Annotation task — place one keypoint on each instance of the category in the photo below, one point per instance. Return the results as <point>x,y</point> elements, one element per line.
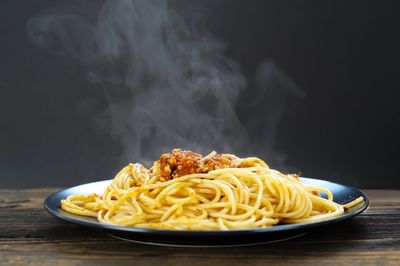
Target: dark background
<point>343,54</point>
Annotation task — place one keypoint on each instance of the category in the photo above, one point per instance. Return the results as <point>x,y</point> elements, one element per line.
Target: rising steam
<point>167,81</point>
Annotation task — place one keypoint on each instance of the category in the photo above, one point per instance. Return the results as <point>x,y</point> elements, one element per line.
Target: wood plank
<point>30,236</point>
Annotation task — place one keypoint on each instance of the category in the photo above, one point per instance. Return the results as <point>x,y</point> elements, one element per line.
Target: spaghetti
<point>186,191</point>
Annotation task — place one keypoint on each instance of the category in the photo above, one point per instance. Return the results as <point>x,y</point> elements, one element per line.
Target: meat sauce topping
<point>180,162</point>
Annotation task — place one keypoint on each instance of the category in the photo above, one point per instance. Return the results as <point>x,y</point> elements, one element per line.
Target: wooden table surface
<point>30,236</point>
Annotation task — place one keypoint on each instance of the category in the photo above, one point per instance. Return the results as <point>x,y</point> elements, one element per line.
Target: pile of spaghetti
<point>184,190</point>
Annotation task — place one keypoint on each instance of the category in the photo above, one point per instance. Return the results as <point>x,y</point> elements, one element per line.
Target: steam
<point>166,79</point>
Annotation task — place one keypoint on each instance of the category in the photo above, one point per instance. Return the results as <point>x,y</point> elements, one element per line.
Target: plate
<point>204,238</point>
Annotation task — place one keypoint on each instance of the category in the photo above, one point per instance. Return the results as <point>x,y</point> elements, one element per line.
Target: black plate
<point>342,194</point>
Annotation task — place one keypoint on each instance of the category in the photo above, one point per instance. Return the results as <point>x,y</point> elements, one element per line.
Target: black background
<point>343,54</point>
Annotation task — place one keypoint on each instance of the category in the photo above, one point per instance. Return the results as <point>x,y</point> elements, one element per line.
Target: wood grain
<point>30,236</point>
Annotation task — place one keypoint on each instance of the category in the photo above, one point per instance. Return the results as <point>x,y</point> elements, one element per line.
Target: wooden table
<point>29,235</point>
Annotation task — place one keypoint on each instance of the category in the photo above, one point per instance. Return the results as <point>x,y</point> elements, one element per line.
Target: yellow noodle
<point>231,198</point>
<point>353,203</point>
